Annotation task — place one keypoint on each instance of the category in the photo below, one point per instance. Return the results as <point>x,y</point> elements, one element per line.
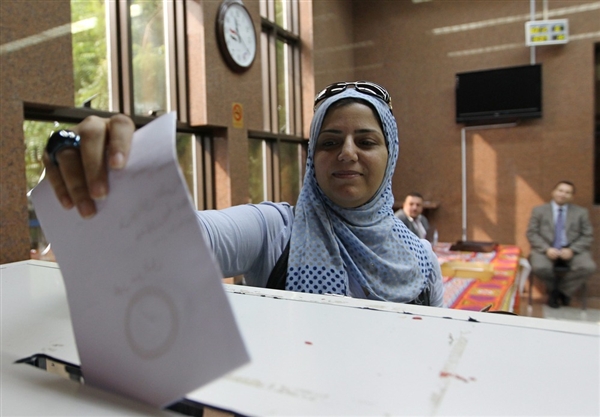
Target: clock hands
<point>241,40</point>
<point>234,35</point>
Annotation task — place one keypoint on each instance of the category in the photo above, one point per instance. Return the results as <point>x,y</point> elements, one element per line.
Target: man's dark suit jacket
<point>411,226</point>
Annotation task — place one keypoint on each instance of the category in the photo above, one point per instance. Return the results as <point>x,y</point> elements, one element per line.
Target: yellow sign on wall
<point>237,113</point>
<point>546,32</point>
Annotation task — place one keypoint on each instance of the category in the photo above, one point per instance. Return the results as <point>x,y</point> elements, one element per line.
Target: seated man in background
<point>561,234</point>
<point>410,214</point>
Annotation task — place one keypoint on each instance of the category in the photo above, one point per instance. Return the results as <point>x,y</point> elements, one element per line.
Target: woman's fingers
<point>120,128</point>
<point>92,150</point>
<point>60,189</point>
<point>82,174</point>
<point>71,168</point>
<point>68,181</point>
<point>102,139</point>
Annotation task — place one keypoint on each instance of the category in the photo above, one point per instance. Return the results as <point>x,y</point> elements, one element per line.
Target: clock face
<point>237,37</point>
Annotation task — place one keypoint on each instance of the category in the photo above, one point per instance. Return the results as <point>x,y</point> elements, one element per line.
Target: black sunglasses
<point>364,87</point>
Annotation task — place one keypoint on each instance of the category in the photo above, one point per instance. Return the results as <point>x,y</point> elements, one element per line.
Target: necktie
<point>559,229</point>
<point>422,232</point>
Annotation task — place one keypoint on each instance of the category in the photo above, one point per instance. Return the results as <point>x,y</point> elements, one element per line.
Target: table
<point>325,355</point>
<point>501,291</point>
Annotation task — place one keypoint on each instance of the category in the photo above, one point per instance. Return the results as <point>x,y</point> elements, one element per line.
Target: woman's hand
<point>81,176</point>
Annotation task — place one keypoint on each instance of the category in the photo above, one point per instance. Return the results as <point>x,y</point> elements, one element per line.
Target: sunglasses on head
<point>364,87</point>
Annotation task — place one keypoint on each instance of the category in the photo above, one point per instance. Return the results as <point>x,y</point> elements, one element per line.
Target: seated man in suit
<point>410,214</point>
<point>560,233</point>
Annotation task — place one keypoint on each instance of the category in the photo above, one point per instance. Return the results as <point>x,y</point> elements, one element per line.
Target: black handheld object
<point>59,140</point>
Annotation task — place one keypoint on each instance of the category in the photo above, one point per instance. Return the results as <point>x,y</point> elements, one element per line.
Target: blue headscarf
<point>364,252</point>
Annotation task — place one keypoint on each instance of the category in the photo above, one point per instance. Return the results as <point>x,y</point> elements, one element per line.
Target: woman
<point>342,236</point>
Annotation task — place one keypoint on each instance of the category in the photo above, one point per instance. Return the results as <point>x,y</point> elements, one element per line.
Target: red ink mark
<point>444,374</point>
<point>417,318</point>
<point>308,343</point>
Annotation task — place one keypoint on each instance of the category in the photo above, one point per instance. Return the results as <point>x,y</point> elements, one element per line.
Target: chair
<point>560,269</point>
<point>523,273</point>
<point>583,296</point>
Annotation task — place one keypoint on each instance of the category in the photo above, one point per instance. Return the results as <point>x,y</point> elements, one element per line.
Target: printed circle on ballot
<point>151,323</point>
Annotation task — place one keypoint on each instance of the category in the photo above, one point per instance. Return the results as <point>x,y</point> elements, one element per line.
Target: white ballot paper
<point>149,312</point>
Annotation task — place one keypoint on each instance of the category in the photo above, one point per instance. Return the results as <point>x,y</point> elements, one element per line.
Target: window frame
<point>274,33</point>
<point>271,34</point>
<point>121,74</point>
<point>204,188</point>
<point>121,94</point>
<point>272,177</point>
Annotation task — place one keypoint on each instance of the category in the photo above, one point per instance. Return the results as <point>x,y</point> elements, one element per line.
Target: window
<point>149,57</point>
<point>277,157</point>
<point>193,147</point>
<point>259,157</point>
<point>597,124</point>
<point>290,169</point>
<point>280,44</point>
<point>194,153</point>
<point>90,54</point>
<point>36,135</point>
<point>128,57</point>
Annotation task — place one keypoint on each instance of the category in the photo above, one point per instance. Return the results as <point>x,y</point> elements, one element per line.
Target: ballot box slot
<point>54,366</point>
<point>73,372</point>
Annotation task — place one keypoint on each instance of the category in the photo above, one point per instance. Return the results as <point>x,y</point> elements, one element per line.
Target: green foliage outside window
<point>185,155</point>
<point>149,56</point>
<point>289,171</point>
<point>90,61</point>
<point>256,180</point>
<point>36,135</point>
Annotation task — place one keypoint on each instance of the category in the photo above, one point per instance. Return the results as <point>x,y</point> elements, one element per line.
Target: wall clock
<point>236,35</point>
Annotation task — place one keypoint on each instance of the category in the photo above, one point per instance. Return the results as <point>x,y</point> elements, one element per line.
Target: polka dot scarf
<point>363,252</point>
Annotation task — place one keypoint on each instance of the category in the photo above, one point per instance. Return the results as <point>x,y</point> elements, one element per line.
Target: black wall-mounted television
<point>499,95</point>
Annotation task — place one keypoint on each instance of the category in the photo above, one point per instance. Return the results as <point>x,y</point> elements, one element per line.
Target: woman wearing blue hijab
<point>342,236</point>
<point>346,240</point>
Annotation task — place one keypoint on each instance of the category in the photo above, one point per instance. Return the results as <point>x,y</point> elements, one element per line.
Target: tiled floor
<point>574,312</point>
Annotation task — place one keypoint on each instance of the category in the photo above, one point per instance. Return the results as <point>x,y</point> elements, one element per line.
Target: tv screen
<point>499,95</point>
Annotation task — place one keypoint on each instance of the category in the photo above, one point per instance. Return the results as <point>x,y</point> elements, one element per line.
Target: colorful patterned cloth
<point>473,294</point>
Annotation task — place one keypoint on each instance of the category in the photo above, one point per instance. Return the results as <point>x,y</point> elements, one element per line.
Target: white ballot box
<point>325,355</point>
